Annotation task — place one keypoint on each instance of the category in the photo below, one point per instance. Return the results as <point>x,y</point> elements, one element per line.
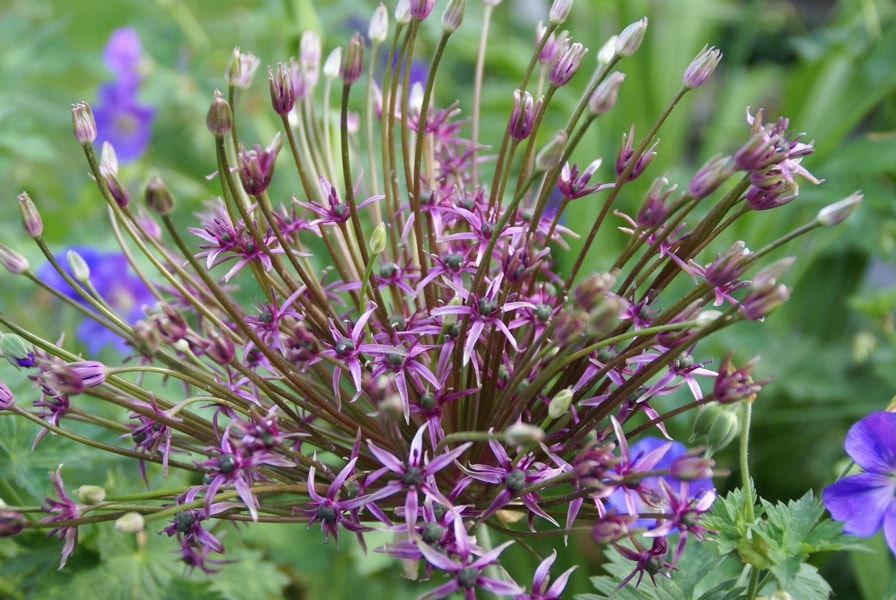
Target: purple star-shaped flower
<point>865,502</point>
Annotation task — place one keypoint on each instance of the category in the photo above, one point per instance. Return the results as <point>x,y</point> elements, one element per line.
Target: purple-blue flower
<point>646,496</point>
<point>120,119</point>
<point>865,502</point>
<point>113,279</point>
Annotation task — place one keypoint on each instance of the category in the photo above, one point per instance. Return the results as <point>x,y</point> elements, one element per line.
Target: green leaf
<point>727,518</point>
<point>792,531</point>
<point>250,577</point>
<point>808,584</point>
<point>696,570</point>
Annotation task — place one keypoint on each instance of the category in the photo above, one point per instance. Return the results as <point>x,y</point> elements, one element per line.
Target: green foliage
<point>776,542</point>
<point>698,576</point>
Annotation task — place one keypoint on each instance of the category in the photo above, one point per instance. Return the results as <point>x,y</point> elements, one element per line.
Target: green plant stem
<point>747,484</point>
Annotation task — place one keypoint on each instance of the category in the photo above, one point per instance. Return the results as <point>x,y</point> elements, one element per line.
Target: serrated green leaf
<point>695,570</point>
<point>791,532</point>
<point>809,585</point>
<point>250,577</point>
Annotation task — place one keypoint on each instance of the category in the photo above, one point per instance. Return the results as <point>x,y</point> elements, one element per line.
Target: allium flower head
<point>389,339</point>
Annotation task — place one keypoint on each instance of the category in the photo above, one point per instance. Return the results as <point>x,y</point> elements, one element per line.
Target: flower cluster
<point>415,361</point>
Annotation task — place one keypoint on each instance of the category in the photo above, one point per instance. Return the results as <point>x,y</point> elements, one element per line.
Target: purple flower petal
<point>861,501</point>
<point>872,442</point>
<point>123,52</point>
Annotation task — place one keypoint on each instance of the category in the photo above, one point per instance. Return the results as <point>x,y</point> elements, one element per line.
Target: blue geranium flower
<point>865,502</point>
<point>114,280</point>
<point>120,119</point>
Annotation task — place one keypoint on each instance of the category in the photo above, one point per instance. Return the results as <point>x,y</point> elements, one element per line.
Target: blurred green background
<point>828,66</point>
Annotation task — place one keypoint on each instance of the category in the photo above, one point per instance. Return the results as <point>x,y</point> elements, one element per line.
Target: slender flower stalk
<point>428,344</point>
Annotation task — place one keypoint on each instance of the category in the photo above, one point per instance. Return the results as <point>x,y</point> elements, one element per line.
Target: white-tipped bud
<point>768,277</point>
<point>559,11</point>
<point>415,98</point>
<point>453,15</point>
<point>559,405</point>
<point>630,38</point>
<point>707,318</point>
<point>377,242</point>
<point>79,267</point>
<point>523,433</point>
<point>379,25</point>
<point>403,12</point>
<point>835,213</point>
<point>90,494</point>
<point>131,522</point>
<point>607,52</point>
<point>551,155</point>
<point>333,62</point>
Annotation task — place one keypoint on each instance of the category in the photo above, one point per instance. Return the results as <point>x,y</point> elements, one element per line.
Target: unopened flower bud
<point>566,64</point>
<point>353,61</point>
<point>770,274</point>
<point>158,198</point>
<point>559,11</point>
<point>219,118</point>
<point>379,25</point>
<point>83,123</point>
<point>607,52</point>
<point>147,338</point>
<point>559,405</point>
<point>420,9</point>
<point>760,303</point>
<point>131,522</point>
<point>11,523</point>
<point>377,243</point>
<point>710,176</point>
<point>31,221</point>
<point>6,397</point>
<point>109,175</point>
<point>612,527</point>
<point>256,166</point>
<point>14,262</point>
<point>523,433</point>
<point>630,38</point>
<point>453,15</point>
<point>715,426</point>
<point>592,289</point>
<point>333,63</point>
<point>604,316</point>
<point>522,117</point>
<point>283,92</point>
<point>219,347</point>
<point>13,347</point>
<point>707,318</point>
<point>736,384</point>
<point>241,68</point>
<point>604,96</point>
<point>550,156</point>
<point>79,268</point>
<point>835,213</point>
<point>403,12</point>
<point>90,494</point>
<point>702,67</point>
<point>688,467</point>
